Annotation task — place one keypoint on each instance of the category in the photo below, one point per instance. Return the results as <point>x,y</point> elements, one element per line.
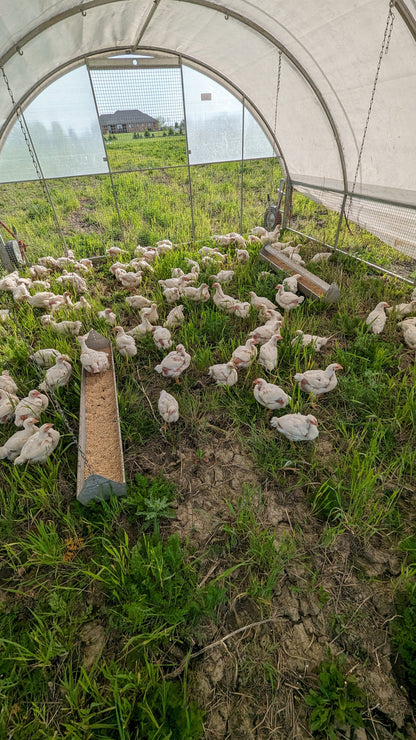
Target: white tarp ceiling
<point>330,54</point>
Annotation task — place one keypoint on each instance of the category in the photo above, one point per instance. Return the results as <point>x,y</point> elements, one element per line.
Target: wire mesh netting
<point>154,205</point>
<point>135,107</point>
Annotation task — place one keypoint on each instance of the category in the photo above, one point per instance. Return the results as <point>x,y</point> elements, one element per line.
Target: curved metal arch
<point>298,66</point>
<point>37,30</point>
<point>83,59</point>
<point>90,4</point>
<point>210,5</point>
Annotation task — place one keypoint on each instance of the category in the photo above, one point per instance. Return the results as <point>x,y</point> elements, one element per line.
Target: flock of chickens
<point>35,444</point>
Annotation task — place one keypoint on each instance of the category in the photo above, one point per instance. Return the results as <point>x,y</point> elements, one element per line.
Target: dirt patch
<point>207,479</point>
<point>92,636</point>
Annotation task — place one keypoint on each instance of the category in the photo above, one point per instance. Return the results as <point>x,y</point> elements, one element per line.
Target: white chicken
<point>8,402</point>
<point>224,240</point>
<point>296,427</point>
<point>138,301</point>
<point>258,231</point>
<point>141,329</point>
<point>117,266</point>
<point>108,315</point>
<point>174,318</point>
<point>270,236</point>
<point>269,395</point>
<point>82,304</point>
<point>38,272</point>
<point>57,375</point>
<point>271,314</point>
<point>60,301</point>
<point>115,251</point>
<point>20,293</point>
<point>45,357</point>
<point>377,318</point>
<point>262,334</point>
<point>78,283</point>
<point>85,262</point>
<point>242,255</point>
<point>221,299</point>
<point>260,302</point>
<point>139,265</point>
<point>39,446</point>
<point>48,261</point>
<point>200,294</point>
<point>62,327</point>
<point>7,383</point>
<point>4,315</point>
<point>291,283</point>
<point>40,300</point>
<point>224,374</point>
<point>176,272</point>
<point>11,449</point>
<point>172,295</point>
<point>125,343</point>
<point>402,309</point>
<point>240,309</point>
<point>43,284</point>
<point>32,405</point>
<point>168,407</point>
<point>290,249</point>
<point>223,276</point>
<point>174,363</point>
<point>244,355</point>
<point>268,352</point>
<point>9,281</point>
<point>318,381</point>
<point>164,247</point>
<point>162,337</point>
<point>150,313</point>
<point>208,251</point>
<point>174,282</point>
<point>409,333</point>
<point>193,264</point>
<point>286,299</point>
<point>306,340</point>
<point>92,360</point>
<point>252,239</point>
<point>129,280</point>
<point>321,257</point>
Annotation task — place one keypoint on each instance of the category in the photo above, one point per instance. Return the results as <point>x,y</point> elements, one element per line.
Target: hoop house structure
<point>333,87</point>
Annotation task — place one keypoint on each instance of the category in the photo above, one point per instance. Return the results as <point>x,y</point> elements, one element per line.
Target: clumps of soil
<point>253,668</point>
<point>206,478</point>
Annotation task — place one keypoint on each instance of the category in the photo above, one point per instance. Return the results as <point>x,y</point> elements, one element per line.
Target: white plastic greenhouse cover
<point>330,58</point>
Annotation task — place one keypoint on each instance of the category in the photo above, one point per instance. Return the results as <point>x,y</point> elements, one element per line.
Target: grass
<point>136,617</point>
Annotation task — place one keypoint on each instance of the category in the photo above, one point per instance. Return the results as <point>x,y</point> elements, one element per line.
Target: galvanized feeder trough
<point>100,452</point>
<point>309,284</point>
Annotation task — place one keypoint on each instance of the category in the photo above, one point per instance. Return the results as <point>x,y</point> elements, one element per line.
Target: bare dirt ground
<point>257,664</point>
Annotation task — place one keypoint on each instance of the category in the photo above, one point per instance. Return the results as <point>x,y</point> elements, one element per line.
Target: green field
<point>246,587</point>
<point>153,193</point>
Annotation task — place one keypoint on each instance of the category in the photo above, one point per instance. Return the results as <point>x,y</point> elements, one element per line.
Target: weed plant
<point>120,564</point>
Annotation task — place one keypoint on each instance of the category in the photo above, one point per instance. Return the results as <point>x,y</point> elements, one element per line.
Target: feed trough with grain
<point>100,453</point>
<point>309,284</point>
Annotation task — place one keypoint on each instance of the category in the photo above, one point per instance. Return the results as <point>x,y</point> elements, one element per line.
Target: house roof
<point>125,116</point>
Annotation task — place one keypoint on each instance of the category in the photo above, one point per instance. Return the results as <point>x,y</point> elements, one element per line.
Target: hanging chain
<point>32,153</point>
<point>54,399</point>
<point>383,51</point>
<point>23,128</point>
<point>279,71</point>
